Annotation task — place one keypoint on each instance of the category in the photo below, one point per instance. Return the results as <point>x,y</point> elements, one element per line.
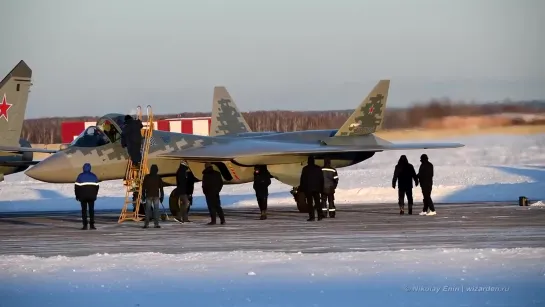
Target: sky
<point>102,56</point>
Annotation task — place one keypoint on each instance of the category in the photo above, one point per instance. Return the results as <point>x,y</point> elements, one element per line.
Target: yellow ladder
<point>134,175</point>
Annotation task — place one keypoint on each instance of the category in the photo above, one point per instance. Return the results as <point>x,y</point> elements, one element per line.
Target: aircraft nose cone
<point>54,169</point>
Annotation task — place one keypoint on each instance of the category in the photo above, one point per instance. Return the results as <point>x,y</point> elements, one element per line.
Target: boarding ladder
<point>134,175</point>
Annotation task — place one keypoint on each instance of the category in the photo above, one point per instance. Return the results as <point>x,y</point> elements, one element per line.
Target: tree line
<point>48,130</point>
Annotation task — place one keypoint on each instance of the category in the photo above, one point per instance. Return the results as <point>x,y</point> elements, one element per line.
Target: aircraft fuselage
<point>109,161</point>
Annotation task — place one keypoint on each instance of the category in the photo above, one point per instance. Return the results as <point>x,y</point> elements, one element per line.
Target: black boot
<point>263,215</point>
<point>92,226</point>
<point>84,227</point>
<point>212,223</point>
<point>410,209</point>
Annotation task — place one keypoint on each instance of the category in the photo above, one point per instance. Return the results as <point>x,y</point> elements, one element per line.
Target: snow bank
<point>453,277</point>
<point>538,204</point>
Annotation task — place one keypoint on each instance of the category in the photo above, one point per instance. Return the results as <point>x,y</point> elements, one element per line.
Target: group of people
<point>317,183</point>
<point>86,190</point>
<point>212,183</point>
<point>404,174</point>
<point>153,193</point>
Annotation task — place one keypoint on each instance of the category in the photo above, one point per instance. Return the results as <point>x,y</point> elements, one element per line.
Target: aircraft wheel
<point>300,200</point>
<point>173,202</point>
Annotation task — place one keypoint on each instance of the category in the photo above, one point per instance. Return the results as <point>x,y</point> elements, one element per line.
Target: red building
<point>195,125</point>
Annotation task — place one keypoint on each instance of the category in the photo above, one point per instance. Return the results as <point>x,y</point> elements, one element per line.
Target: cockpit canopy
<point>107,130</point>
<point>91,137</point>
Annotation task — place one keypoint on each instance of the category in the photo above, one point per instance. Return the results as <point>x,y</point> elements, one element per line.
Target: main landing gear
<point>173,202</point>
<point>300,200</point>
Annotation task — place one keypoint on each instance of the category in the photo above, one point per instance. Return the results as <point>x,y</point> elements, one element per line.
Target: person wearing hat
<point>311,183</point>
<point>331,180</point>
<point>262,181</point>
<point>181,187</point>
<point>109,131</point>
<point>131,138</point>
<point>404,174</point>
<point>212,183</point>
<point>191,179</point>
<point>153,194</point>
<point>425,177</point>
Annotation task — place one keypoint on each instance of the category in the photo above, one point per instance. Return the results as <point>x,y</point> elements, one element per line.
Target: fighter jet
<point>285,154</point>
<point>16,153</point>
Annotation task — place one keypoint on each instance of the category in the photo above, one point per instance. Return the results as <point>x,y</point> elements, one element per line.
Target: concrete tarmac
<point>356,228</point>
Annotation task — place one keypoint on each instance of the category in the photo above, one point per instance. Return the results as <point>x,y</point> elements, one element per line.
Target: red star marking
<point>4,107</point>
<point>371,109</point>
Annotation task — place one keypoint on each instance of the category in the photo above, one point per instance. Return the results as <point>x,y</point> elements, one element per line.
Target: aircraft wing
<point>25,149</point>
<point>249,152</point>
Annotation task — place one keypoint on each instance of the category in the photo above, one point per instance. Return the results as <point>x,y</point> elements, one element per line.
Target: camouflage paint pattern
<point>226,118</point>
<point>368,117</point>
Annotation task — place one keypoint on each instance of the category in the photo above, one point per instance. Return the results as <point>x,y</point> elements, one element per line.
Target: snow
<point>488,168</point>
<point>538,204</point>
<point>440,277</point>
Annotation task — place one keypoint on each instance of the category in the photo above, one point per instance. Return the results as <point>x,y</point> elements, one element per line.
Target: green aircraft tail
<point>226,118</point>
<point>369,115</point>
<point>14,89</point>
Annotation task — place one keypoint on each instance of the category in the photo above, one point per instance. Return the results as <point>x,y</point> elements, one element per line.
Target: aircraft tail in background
<point>14,89</point>
<point>226,118</point>
<point>369,115</point>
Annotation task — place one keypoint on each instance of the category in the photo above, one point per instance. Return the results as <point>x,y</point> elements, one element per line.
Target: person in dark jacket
<point>311,184</point>
<point>86,190</point>
<point>212,183</point>
<point>191,179</point>
<point>331,180</point>
<point>404,174</point>
<point>181,187</point>
<point>131,138</point>
<point>425,176</point>
<point>153,194</point>
<point>262,181</point>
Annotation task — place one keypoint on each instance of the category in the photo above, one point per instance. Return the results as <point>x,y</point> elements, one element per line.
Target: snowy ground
<point>489,168</point>
<point>487,277</point>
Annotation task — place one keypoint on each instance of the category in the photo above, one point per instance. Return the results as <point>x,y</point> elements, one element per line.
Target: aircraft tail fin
<point>14,89</point>
<point>226,118</point>
<point>369,115</point>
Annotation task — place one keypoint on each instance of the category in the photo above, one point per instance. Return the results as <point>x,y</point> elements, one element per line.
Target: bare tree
<point>48,130</point>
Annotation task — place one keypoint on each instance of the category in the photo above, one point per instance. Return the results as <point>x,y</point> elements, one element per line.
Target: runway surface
<point>356,228</point>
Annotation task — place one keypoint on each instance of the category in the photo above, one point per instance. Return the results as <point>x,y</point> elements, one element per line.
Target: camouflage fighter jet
<point>285,154</point>
<point>16,153</point>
